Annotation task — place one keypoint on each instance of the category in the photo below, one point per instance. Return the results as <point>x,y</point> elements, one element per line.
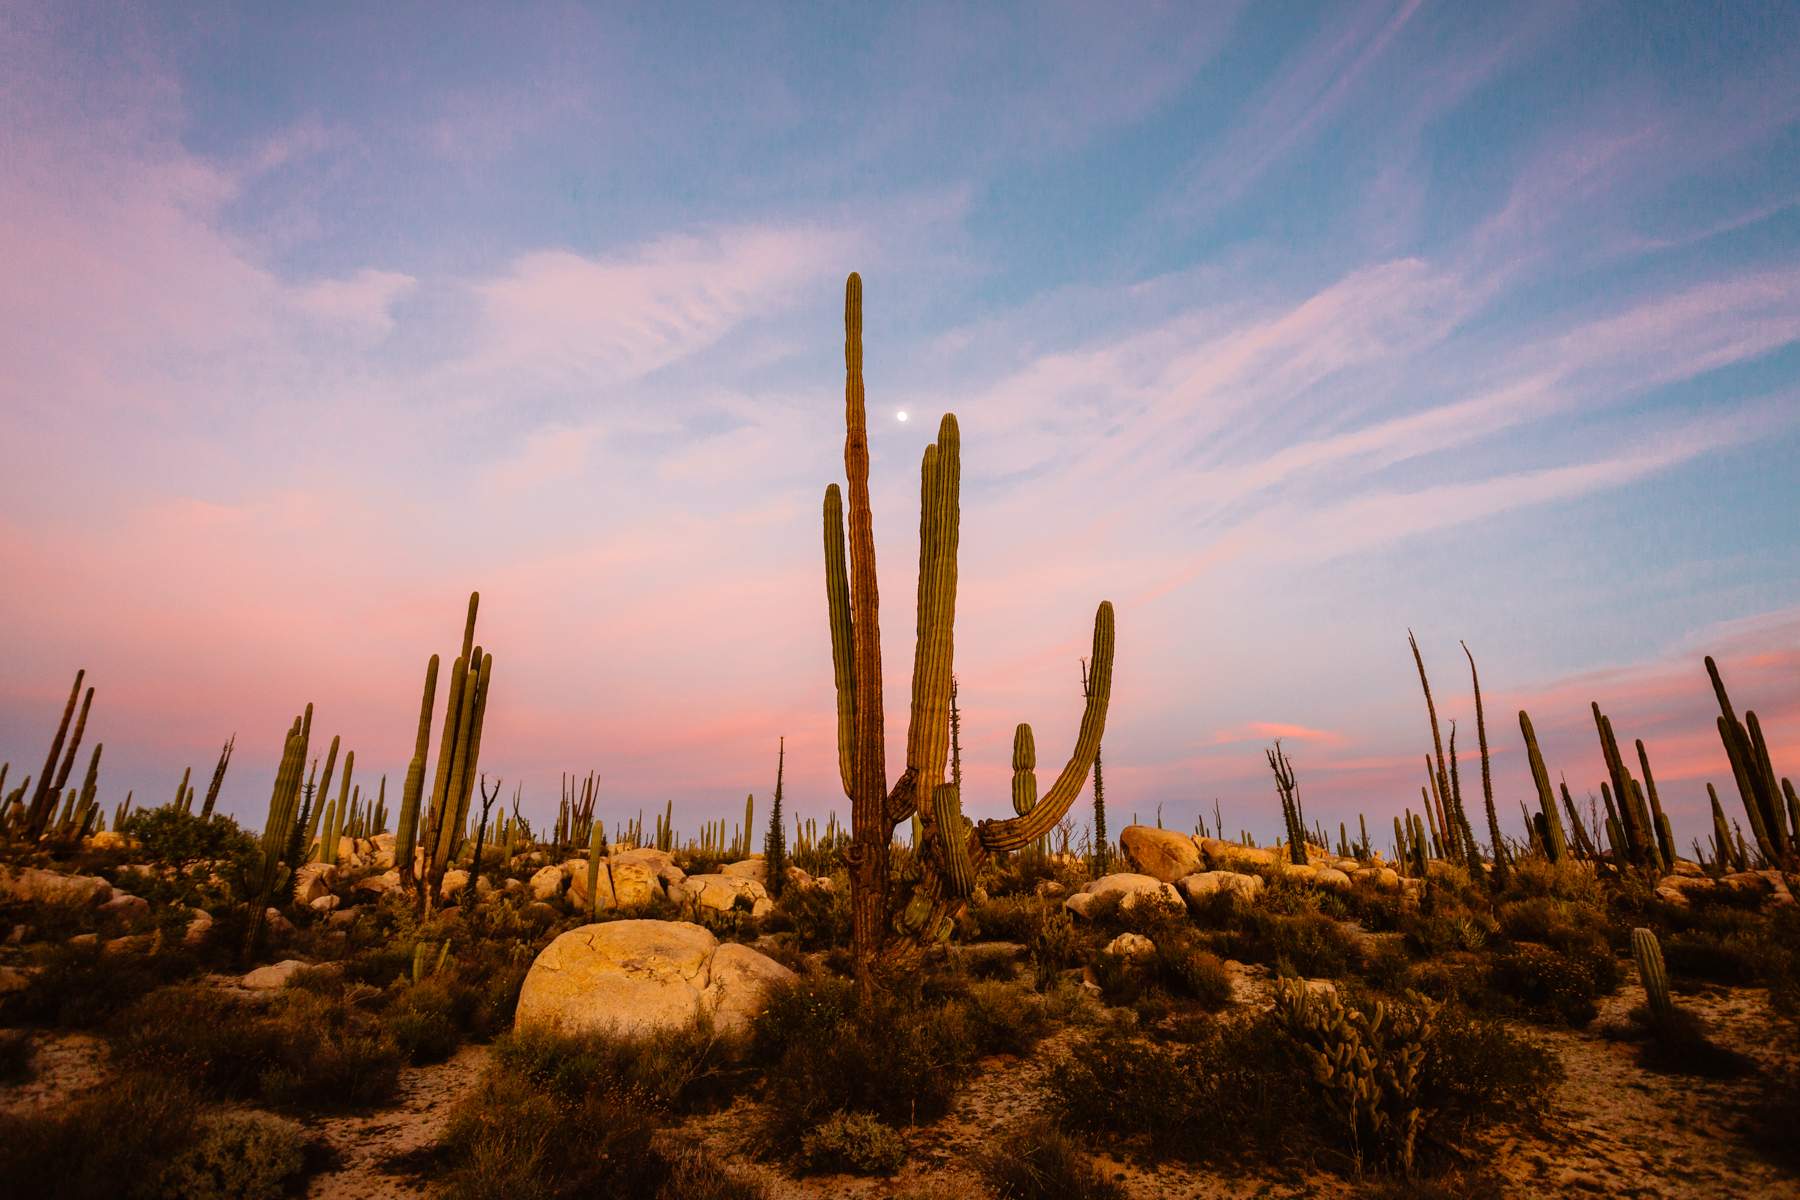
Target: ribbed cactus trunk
<point>1550,824</point>
<point>1487,778</point>
<point>951,851</point>
<point>218,778</point>
<point>49,785</point>
<point>1449,843</point>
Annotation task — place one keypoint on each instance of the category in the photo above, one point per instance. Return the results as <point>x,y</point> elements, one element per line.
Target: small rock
<point>199,925</point>
<point>547,883</point>
<point>326,903</point>
<point>1198,886</point>
<point>275,975</point>
<point>312,880</point>
<point>1132,946</point>
<point>126,905</point>
<point>277,925</point>
<point>455,880</point>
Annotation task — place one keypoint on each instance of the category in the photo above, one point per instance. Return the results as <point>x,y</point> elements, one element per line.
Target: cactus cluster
<point>1367,1066</point>
<point>1288,788</point>
<point>1772,806</point>
<point>432,832</point>
<point>279,828</point>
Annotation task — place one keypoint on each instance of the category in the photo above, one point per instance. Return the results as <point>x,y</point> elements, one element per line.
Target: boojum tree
<point>891,919</point>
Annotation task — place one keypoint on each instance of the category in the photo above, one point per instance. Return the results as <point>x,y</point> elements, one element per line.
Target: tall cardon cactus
<point>886,927</point>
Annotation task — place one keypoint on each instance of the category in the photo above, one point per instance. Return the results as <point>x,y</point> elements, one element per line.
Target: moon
<point>900,416</point>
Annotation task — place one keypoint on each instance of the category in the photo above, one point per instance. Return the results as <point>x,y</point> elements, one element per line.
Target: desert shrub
<point>1002,1019</point>
<point>1311,945</point>
<point>1545,984</point>
<point>1476,1074</point>
<point>1183,968</point>
<point>237,1156</point>
<point>1055,945</point>
<point>79,987</point>
<point>422,1021</point>
<point>1041,1163</point>
<point>1009,918</point>
<point>303,1051</point>
<point>692,1175</point>
<point>1446,931</point>
<point>820,918</point>
<point>574,1118</point>
<point>901,1060</point>
<point>1565,880</point>
<point>106,1145</point>
<point>171,838</point>
<point>673,1071</point>
<point>1176,1100</point>
<point>853,1142</point>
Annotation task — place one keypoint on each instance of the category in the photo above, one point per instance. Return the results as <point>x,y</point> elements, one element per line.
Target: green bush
<point>211,858</point>
<point>855,1143</point>
<point>1186,970</point>
<point>1055,945</point>
<point>237,1156</point>
<point>818,917</point>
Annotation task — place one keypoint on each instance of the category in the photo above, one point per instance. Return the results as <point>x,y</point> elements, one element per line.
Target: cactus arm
<point>1024,785</point>
<point>1019,832</point>
<point>406,832</point>
<point>843,666</point>
<point>953,842</point>
<point>928,733</point>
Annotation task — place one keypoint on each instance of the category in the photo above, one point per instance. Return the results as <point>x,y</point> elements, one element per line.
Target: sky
<point>1285,327</point>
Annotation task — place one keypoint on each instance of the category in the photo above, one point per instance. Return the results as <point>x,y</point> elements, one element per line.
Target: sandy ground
<point>363,1142</point>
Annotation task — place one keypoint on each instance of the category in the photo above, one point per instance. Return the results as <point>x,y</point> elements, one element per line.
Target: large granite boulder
<point>749,868</point>
<point>1161,853</point>
<point>1202,884</point>
<point>724,893</point>
<point>637,978</point>
<point>51,887</point>
<point>1229,856</point>
<point>636,882</point>
<point>1132,890</point>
